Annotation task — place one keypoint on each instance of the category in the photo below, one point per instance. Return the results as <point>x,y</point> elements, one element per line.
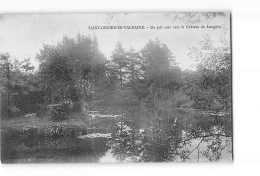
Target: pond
<point>131,134</point>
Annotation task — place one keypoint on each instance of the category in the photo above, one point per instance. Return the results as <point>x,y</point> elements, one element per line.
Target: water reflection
<point>203,138</point>
<point>131,136</point>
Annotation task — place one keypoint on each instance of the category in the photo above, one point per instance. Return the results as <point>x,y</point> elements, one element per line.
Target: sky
<point>23,35</point>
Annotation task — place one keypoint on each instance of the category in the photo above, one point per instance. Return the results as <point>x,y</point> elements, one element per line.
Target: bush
<point>61,110</point>
<point>39,109</point>
<point>77,106</point>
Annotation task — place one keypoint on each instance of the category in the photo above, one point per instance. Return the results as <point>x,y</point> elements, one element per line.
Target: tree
<point>17,85</point>
<point>78,65</point>
<point>87,62</point>
<point>214,67</point>
<point>119,64</point>
<point>161,74</point>
<point>133,67</point>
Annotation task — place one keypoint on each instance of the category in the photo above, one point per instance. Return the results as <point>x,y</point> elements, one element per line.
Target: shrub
<point>39,109</point>
<point>60,110</point>
<point>77,106</point>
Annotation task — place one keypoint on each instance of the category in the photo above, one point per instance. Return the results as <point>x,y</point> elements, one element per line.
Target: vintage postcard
<point>116,87</point>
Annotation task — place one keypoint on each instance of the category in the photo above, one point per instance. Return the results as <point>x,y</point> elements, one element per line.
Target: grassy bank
<point>75,124</point>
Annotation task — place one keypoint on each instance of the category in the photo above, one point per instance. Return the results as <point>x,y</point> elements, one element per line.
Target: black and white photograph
<point>116,87</point>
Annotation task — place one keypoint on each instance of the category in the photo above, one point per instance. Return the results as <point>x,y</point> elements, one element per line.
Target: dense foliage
<point>77,71</point>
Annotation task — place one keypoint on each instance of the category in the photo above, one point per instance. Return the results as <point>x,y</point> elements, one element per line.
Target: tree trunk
<point>52,96</point>
<point>121,81</point>
<point>132,75</point>
<point>8,92</point>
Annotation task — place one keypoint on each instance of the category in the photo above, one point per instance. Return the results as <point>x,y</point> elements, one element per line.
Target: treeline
<point>75,70</point>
